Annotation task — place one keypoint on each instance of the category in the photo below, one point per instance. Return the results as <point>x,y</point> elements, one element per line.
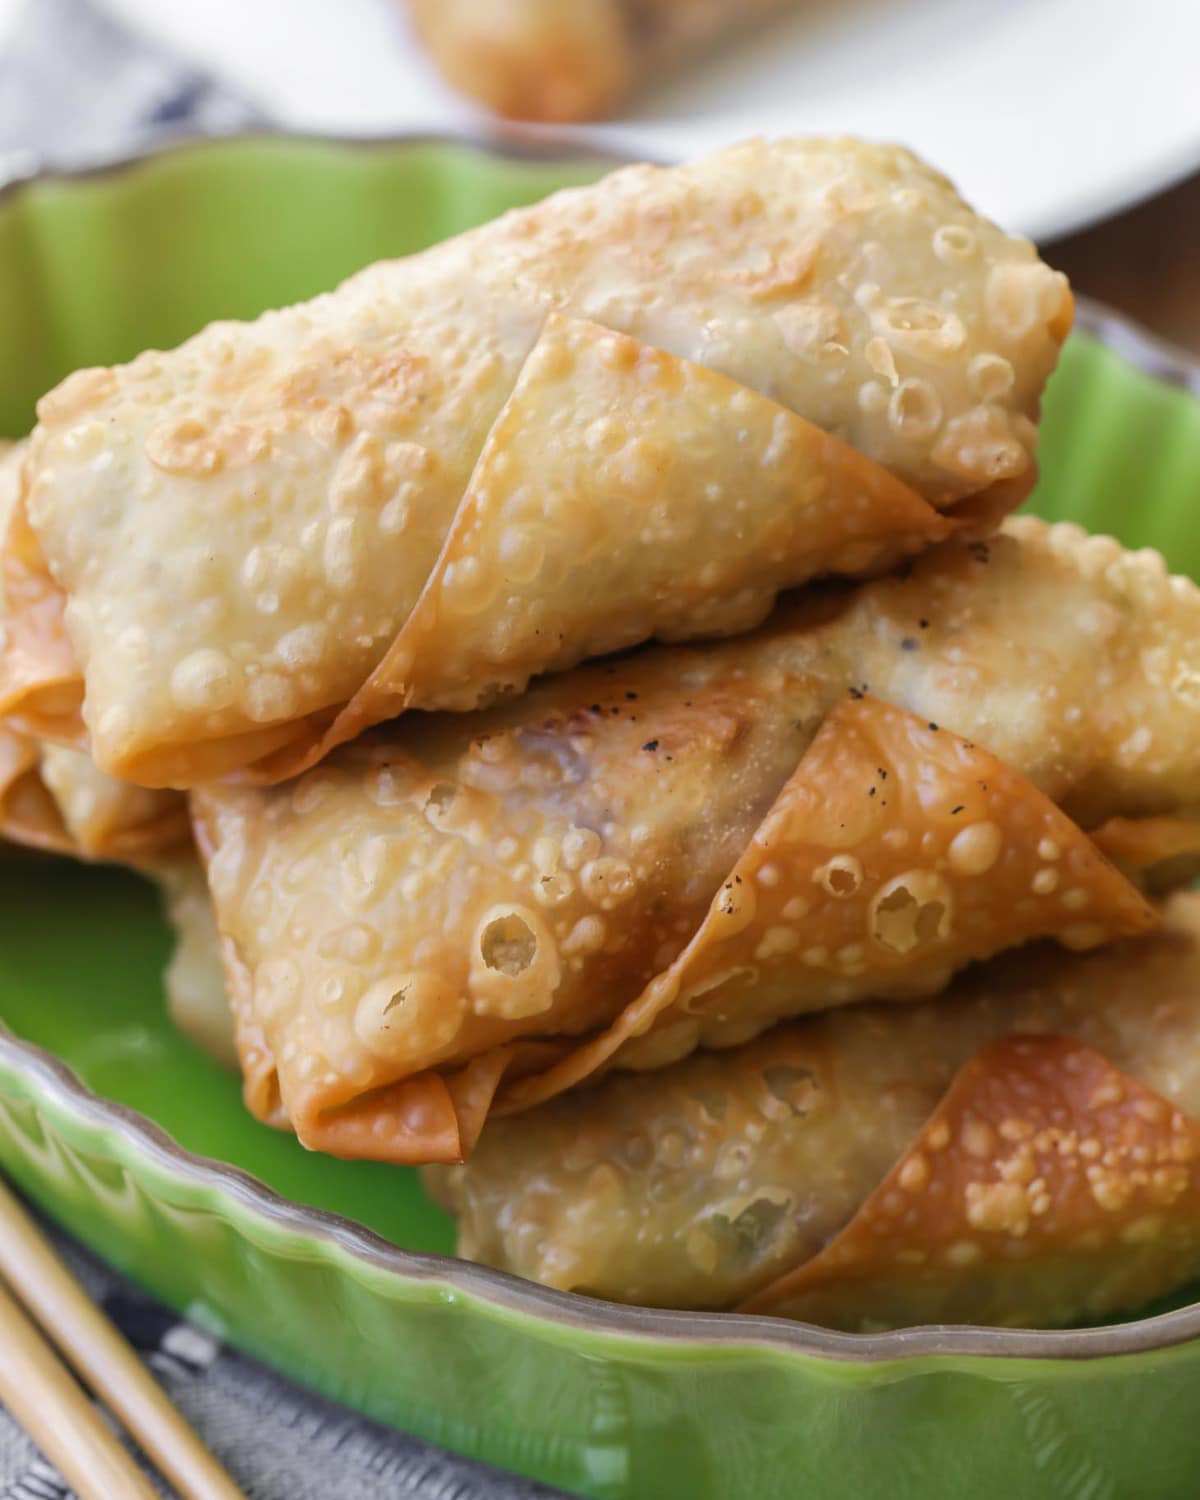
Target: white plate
<point>1048,113</point>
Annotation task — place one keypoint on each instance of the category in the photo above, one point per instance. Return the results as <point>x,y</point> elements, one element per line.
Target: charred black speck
<point>650,745</point>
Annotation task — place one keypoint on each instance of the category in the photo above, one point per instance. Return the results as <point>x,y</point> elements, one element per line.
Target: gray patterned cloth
<point>76,88</point>
<point>278,1442</point>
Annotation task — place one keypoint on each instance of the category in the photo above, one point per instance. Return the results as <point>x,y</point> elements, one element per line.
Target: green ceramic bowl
<point>337,1274</point>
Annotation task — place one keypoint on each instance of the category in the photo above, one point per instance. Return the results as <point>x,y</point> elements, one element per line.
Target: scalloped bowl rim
<point>678,1332</point>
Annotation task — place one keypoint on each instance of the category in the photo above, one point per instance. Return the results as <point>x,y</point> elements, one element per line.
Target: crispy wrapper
<point>638,409</point>
<point>895,854</point>
<point>53,798</point>
<point>1024,1151</point>
<point>460,915</point>
<point>1047,1184</point>
<point>549,61</point>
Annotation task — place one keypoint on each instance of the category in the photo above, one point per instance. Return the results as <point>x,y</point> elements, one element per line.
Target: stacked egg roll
<point>637,409</point>
<point>1025,1151</point>
<point>459,915</point>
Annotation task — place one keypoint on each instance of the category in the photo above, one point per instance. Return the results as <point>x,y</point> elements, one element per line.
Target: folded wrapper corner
<point>895,854</point>
<point>1048,1185</point>
<point>788,359</point>
<point>1023,1150</point>
<point>194,983</point>
<point>55,800</point>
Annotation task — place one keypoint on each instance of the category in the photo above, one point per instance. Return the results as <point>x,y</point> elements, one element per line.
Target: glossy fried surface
<point>237,531</point>
<point>1046,1186</point>
<point>194,983</point>
<point>1057,1179</point>
<point>456,906</point>
<point>54,798</point>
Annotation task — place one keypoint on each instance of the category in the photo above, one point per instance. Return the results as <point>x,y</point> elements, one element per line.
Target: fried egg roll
<point>193,981</point>
<point>1024,1151</point>
<point>464,914</point>
<point>638,409</point>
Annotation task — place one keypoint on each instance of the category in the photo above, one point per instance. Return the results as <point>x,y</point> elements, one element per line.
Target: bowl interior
<point>93,269</point>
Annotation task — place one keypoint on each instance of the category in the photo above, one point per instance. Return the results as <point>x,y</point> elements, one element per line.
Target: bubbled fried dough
<point>799,1173</point>
<point>894,855</point>
<point>196,999</point>
<point>386,914</point>
<point>1046,1186</point>
<point>579,835</point>
<point>406,1065</point>
<point>240,528</point>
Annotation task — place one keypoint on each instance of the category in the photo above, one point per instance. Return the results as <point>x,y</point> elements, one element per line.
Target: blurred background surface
<point>1069,120</point>
<point>1050,113</point>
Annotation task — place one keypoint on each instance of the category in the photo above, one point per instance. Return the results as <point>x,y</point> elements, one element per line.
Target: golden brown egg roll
<point>685,845</point>
<point>1025,1150</point>
<point>553,61</point>
<point>54,798</point>
<point>638,408</point>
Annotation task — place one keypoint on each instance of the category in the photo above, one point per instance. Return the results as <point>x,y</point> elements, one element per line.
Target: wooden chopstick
<point>40,1392</point>
<point>106,1362</point>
